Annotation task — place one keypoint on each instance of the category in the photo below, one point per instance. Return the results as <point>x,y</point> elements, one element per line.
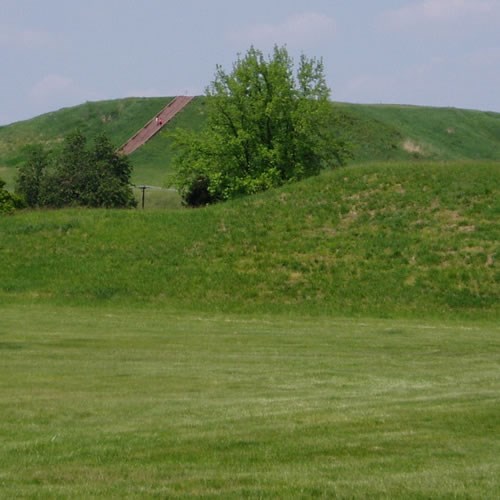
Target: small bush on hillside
<point>77,175</point>
<point>8,201</point>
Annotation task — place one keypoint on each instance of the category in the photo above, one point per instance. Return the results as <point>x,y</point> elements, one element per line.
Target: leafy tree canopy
<point>267,124</point>
<point>77,174</point>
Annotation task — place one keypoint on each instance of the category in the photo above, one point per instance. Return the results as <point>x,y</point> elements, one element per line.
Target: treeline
<point>77,174</point>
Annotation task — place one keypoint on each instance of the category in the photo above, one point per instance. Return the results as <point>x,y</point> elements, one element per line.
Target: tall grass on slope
<point>394,132</point>
<point>377,239</point>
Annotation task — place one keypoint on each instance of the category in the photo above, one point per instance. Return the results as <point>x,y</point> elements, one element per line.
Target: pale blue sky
<point>58,53</point>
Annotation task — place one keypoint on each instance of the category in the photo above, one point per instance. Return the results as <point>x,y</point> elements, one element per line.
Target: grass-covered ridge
<point>389,132</point>
<point>119,119</point>
<point>401,239</point>
<point>377,133</point>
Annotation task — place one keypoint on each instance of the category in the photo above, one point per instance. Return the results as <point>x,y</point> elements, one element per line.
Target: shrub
<point>8,201</point>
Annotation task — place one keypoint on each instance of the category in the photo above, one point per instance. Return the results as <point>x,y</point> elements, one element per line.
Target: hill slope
<point>386,132</point>
<point>377,132</point>
<point>119,118</point>
<point>400,239</point>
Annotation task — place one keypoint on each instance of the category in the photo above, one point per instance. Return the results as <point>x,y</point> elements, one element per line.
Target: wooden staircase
<point>155,124</point>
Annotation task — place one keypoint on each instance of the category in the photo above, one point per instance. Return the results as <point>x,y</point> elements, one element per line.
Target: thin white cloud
<point>52,85</point>
<point>56,91</point>
<point>142,92</point>
<point>410,84</point>
<point>298,30</point>
<point>486,58</point>
<point>167,91</point>
<point>466,81</point>
<point>442,12</point>
<point>26,38</point>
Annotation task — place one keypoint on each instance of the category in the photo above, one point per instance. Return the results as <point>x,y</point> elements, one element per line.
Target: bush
<point>8,201</point>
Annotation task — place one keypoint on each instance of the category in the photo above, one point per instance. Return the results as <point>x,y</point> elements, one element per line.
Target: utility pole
<point>143,189</point>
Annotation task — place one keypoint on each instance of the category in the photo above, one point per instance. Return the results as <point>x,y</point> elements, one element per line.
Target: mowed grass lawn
<point>141,402</point>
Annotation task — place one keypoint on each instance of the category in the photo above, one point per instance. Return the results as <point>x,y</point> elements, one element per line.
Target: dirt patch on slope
<point>412,147</point>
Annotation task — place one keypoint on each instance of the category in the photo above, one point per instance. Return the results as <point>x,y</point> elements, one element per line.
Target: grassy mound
<point>400,239</point>
<point>377,133</point>
<point>119,119</point>
<point>392,132</point>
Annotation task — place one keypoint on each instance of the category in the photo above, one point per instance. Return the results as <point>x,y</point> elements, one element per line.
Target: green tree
<point>77,175</point>
<point>30,175</point>
<point>66,183</point>
<point>107,183</point>
<point>266,125</point>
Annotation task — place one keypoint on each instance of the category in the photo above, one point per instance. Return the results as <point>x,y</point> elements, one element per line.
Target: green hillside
<point>386,132</point>
<point>335,337</point>
<point>377,132</point>
<point>405,236</point>
<point>120,119</point>
<point>415,239</point>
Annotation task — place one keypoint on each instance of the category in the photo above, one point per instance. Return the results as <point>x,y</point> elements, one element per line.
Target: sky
<point>60,53</point>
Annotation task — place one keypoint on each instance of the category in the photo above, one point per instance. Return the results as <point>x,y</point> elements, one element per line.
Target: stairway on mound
<point>155,124</point>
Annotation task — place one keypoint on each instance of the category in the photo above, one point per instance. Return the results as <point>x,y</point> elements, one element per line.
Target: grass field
<point>139,402</point>
<point>337,337</point>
